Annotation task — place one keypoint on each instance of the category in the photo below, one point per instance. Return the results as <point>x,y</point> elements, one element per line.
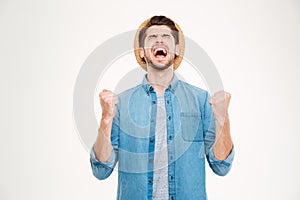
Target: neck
<point>160,79</point>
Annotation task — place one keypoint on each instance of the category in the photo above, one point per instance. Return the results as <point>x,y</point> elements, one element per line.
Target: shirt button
<point>150,180</point>
<point>168,102</point>
<point>170,137</point>
<point>151,140</point>
<point>153,102</point>
<point>172,197</point>
<point>150,161</point>
<point>151,89</point>
<point>152,120</point>
<point>169,117</point>
<point>171,157</point>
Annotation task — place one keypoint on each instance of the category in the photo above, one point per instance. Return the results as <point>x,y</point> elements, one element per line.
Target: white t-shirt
<point>160,174</point>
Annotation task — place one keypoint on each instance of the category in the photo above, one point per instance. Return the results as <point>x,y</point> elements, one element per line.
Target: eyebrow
<point>155,34</point>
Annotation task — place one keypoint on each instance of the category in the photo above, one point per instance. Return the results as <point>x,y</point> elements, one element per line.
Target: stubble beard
<point>160,68</point>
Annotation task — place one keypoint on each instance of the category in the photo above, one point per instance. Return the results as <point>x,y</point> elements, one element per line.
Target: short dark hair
<point>158,20</point>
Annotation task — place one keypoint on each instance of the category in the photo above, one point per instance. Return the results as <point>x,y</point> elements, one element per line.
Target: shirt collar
<point>149,88</point>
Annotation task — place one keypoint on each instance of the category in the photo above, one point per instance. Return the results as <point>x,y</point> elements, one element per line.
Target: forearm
<point>103,147</point>
<point>223,143</point>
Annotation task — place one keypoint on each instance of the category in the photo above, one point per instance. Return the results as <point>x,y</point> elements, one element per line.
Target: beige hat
<point>178,58</point>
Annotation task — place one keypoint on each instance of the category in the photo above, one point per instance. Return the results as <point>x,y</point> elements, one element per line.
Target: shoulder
<point>192,89</point>
<point>129,92</point>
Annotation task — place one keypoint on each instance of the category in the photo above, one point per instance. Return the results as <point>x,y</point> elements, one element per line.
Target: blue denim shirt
<point>190,137</point>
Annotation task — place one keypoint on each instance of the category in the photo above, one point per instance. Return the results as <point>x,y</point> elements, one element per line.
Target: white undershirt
<point>160,174</point>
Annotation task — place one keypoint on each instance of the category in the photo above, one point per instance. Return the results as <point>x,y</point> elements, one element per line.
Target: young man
<point>160,131</point>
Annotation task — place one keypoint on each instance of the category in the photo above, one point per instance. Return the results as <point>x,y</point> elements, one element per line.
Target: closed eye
<point>152,37</point>
<point>166,36</point>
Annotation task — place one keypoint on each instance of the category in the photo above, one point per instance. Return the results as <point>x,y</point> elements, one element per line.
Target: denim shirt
<point>190,137</point>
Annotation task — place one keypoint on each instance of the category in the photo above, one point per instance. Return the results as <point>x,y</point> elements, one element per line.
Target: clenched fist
<point>108,101</point>
<point>223,143</point>
<point>220,103</point>
<point>103,146</point>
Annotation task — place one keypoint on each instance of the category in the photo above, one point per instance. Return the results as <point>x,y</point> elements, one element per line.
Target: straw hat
<point>178,58</point>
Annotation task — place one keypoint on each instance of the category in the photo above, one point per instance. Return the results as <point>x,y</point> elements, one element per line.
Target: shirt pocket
<point>191,126</point>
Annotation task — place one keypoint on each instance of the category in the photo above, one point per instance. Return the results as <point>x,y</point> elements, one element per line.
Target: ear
<point>177,50</point>
<point>141,52</point>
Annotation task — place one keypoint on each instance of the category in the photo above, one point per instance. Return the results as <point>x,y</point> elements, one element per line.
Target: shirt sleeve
<point>219,167</point>
<point>102,170</point>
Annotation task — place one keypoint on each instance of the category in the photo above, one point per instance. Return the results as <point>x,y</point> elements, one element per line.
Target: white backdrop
<point>255,46</point>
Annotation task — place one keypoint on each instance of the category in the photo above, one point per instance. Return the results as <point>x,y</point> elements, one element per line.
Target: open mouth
<point>159,52</point>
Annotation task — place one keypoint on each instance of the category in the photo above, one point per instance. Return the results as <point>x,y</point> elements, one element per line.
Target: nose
<point>159,39</point>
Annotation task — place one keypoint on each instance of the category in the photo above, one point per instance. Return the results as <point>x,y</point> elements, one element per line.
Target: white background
<point>255,46</point>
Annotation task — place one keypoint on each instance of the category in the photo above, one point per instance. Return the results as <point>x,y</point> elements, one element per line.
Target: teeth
<point>160,49</point>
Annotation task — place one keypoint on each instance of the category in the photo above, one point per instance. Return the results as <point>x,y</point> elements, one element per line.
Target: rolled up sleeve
<point>220,167</point>
<point>102,170</point>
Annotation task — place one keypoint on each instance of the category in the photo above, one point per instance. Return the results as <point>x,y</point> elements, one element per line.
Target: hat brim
<point>177,59</point>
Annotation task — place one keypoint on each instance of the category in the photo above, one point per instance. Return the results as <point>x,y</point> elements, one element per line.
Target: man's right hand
<point>103,147</point>
<point>108,101</point>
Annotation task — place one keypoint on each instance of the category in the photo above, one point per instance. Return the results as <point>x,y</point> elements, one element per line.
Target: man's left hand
<point>220,103</point>
<point>223,143</point>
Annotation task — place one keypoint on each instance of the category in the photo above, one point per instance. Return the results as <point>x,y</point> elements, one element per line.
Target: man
<point>160,131</point>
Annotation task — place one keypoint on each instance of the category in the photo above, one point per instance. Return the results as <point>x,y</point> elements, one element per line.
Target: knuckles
<point>107,98</point>
<point>220,98</point>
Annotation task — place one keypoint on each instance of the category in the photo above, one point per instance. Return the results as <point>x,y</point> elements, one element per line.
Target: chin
<point>160,64</point>
<point>160,67</point>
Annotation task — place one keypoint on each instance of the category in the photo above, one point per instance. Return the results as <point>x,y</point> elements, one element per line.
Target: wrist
<point>106,119</point>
